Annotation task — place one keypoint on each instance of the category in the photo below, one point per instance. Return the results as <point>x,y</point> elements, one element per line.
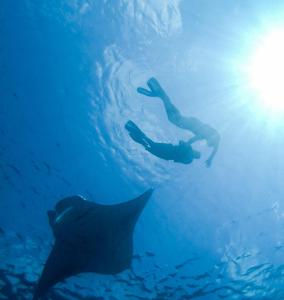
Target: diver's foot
<point>145,92</point>
<point>129,125</point>
<point>135,133</point>
<point>133,129</point>
<point>155,86</point>
<point>155,90</point>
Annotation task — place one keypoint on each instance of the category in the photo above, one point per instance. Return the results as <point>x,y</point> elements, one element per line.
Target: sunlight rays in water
<point>264,73</point>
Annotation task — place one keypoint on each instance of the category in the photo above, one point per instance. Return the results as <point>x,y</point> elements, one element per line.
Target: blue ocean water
<point>69,73</point>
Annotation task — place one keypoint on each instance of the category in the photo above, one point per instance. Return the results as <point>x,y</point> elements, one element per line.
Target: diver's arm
<point>212,155</point>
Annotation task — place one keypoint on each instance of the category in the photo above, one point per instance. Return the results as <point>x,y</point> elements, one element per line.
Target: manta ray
<point>90,237</point>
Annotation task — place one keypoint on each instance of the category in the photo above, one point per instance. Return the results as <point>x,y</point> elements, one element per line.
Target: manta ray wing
<point>90,237</point>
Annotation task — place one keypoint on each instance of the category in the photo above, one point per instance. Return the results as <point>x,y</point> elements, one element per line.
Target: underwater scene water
<point>69,77</point>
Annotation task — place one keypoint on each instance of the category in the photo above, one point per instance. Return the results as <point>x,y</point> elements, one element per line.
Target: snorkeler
<point>181,153</point>
<point>200,130</point>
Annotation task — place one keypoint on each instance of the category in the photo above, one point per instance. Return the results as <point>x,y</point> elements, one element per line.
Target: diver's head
<point>196,154</point>
<point>213,140</point>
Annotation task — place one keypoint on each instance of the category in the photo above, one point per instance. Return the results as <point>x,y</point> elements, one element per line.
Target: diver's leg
<point>155,90</point>
<point>162,150</point>
<point>137,134</point>
<point>173,114</point>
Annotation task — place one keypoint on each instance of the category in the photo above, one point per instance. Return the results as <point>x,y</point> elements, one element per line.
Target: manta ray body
<point>90,237</point>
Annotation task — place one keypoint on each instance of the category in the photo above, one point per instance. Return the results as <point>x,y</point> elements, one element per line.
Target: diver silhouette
<point>200,130</point>
<point>181,153</point>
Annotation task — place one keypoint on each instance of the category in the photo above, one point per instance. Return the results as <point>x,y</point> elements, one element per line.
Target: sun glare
<point>266,71</point>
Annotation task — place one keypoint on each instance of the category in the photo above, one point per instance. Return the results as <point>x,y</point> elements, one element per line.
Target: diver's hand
<point>208,163</point>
